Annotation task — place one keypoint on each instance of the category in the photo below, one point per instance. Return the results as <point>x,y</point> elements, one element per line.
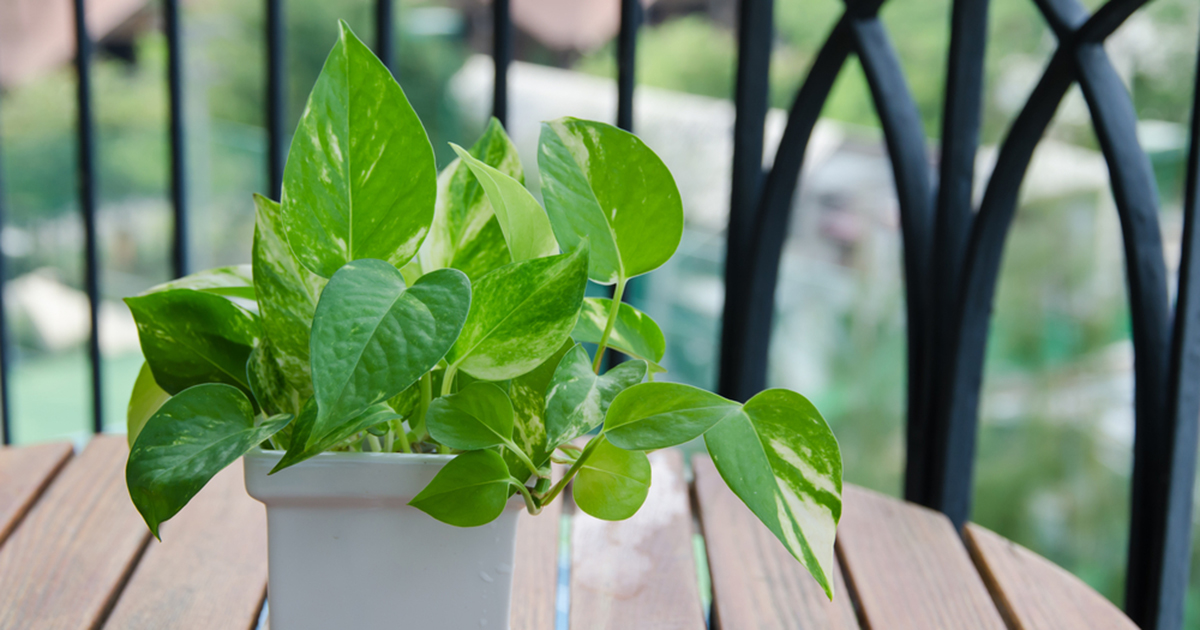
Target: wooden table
<point>75,554</point>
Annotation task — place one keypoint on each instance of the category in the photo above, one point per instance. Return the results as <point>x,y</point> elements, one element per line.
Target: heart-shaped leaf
<point>194,435</point>
<point>657,415</point>
<point>287,296</point>
<point>372,337</point>
<point>577,399</point>
<point>524,223</point>
<point>520,315</point>
<point>782,460</point>
<point>146,399</point>
<point>633,333</point>
<point>604,184</point>
<point>612,483</point>
<point>465,233</point>
<point>360,179</point>
<point>469,491</point>
<point>191,337</point>
<point>479,416</point>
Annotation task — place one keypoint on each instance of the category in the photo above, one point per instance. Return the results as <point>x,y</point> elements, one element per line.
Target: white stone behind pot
<point>346,551</point>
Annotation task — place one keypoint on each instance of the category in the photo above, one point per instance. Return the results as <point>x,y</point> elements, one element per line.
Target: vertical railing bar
<point>631,18</point>
<point>87,203</point>
<point>5,346</point>
<point>954,210</point>
<point>755,18</point>
<point>1183,397</point>
<point>276,103</point>
<point>385,40</point>
<point>179,254</point>
<point>502,53</point>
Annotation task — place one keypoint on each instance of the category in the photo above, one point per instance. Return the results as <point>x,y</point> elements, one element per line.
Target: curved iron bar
<point>750,304</point>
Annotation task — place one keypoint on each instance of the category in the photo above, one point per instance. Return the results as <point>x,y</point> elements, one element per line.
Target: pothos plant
<point>393,309</point>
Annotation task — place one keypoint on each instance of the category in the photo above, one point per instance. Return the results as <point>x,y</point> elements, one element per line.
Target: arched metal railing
<point>952,254</point>
<point>952,249</point>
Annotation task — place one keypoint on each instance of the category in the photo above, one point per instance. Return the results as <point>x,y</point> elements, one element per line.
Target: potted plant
<point>413,350</point>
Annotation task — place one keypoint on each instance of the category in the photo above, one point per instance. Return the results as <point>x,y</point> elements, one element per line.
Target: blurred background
<point>1055,440</point>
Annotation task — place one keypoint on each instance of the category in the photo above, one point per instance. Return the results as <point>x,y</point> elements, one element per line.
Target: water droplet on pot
<point>485,577</point>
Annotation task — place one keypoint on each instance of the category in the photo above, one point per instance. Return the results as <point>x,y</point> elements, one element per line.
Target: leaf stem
<point>447,383</point>
<point>425,386</point>
<point>402,436</point>
<point>562,483</point>
<point>516,450</point>
<point>530,503</point>
<point>618,293</point>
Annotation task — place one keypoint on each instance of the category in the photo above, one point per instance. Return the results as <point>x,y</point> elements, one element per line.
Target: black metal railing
<point>952,249</point>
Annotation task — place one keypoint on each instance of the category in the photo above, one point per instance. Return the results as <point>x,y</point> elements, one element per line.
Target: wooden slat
<point>1034,593</point>
<point>535,570</point>
<point>641,572</point>
<point>73,551</point>
<point>756,582</point>
<point>908,568</point>
<point>210,570</point>
<point>24,474</point>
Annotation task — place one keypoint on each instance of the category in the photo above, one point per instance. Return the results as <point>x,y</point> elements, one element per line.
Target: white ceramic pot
<point>346,551</point>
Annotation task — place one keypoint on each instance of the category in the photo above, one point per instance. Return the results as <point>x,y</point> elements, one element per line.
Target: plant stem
<point>447,383</point>
<point>608,326</point>
<point>530,504</point>
<point>373,442</point>
<point>516,450</point>
<point>402,435</point>
<point>562,483</point>
<point>418,421</point>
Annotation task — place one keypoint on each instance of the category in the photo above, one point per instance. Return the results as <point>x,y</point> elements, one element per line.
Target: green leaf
<point>613,483</point>
<point>782,460</point>
<point>191,337</point>
<point>465,233</point>
<point>360,180</point>
<point>287,297</point>
<point>524,223</point>
<point>469,491</point>
<point>272,392</point>
<point>304,444</point>
<point>657,415</point>
<point>146,399</point>
<point>603,184</point>
<point>634,332</point>
<point>520,315</point>
<point>372,337</point>
<point>189,439</point>
<point>479,416</point>
<point>578,399</point>
<point>235,281</point>
<point>528,395</point>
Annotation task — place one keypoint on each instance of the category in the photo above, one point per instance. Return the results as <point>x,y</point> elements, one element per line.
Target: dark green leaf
<point>524,223</point>
<point>782,460</point>
<point>192,337</point>
<point>471,490</point>
<point>360,180</point>
<point>634,332</point>
<point>578,399</point>
<point>192,437</point>
<point>603,184</point>
<point>372,337</point>
<point>657,415</point>
<point>478,416</point>
<point>465,234</point>
<point>613,483</point>
<point>146,398</point>
<point>520,315</point>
